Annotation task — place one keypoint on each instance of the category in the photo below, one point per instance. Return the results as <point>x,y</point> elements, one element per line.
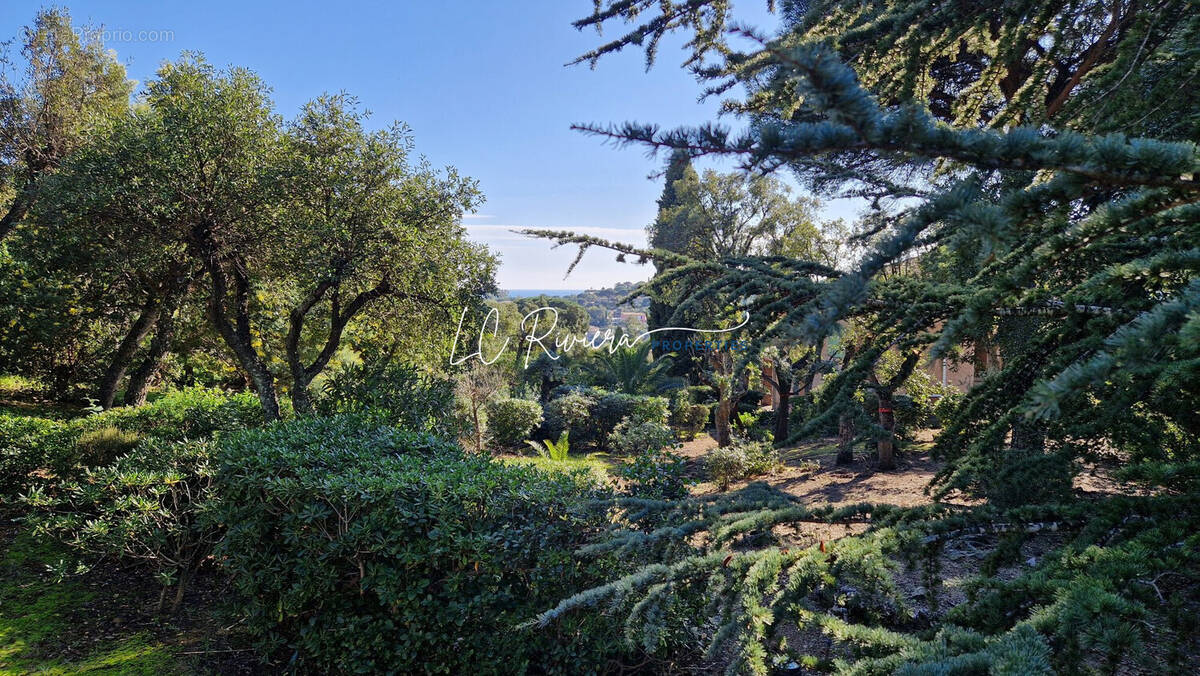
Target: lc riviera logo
<point>565,342</point>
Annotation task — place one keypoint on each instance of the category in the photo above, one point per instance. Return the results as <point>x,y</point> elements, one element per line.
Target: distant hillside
<point>603,305</point>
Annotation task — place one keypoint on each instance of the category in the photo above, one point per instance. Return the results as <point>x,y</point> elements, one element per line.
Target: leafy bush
<point>193,413</point>
<point>946,405</point>
<point>511,420</point>
<point>65,449</point>
<point>613,408</point>
<point>147,505</point>
<point>395,394</point>
<point>656,474</point>
<point>571,412</point>
<point>688,417</point>
<point>633,436</point>
<point>360,548</point>
<point>741,460</point>
<point>28,444</point>
<point>755,425</point>
<point>591,413</point>
<point>100,447</point>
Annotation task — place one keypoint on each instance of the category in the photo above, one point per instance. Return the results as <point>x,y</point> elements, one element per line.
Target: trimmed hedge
<point>360,548</point>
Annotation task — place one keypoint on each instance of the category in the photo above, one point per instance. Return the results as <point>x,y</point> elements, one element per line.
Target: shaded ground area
<point>104,621</point>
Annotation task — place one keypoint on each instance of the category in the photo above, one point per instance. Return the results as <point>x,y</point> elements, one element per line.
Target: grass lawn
<point>599,464</point>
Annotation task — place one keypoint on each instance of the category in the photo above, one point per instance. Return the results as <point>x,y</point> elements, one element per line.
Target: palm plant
<point>632,371</point>
<point>552,450</point>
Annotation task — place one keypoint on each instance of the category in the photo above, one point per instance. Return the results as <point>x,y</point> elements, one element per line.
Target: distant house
<point>626,315</point>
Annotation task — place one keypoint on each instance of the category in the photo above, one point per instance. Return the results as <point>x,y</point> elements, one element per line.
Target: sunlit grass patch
<point>598,464</point>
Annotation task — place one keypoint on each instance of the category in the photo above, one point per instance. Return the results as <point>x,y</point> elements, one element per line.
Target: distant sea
<point>526,293</point>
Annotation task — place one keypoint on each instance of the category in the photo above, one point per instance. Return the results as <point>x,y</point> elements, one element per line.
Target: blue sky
<point>481,83</point>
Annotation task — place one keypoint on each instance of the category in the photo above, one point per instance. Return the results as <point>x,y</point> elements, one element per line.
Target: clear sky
<point>482,83</point>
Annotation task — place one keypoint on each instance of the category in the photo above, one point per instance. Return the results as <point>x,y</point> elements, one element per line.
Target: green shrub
<point>633,436</point>
<point>192,413</point>
<point>148,505</point>
<point>612,408</point>
<point>395,394</point>
<point>360,548</point>
<point>656,474</point>
<point>945,406</point>
<point>571,413</point>
<point>688,418</point>
<point>100,447</point>
<point>741,460</point>
<point>29,444</point>
<point>511,420</point>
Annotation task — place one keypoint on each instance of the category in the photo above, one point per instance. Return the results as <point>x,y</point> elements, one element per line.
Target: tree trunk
<point>782,409</point>
<point>17,210</point>
<point>721,420</point>
<point>845,454</point>
<point>124,354</point>
<point>139,380</point>
<point>887,420</point>
<point>303,375</point>
<point>237,333</point>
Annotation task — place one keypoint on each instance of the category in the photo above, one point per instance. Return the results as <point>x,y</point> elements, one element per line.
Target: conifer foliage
<point>1031,222</point>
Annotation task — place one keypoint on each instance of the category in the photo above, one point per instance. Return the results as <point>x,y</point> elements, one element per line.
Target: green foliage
<point>657,474</point>
<point>1096,598</point>
<point>634,436</point>
<point>1066,245</point>
<point>554,451</point>
<point>612,409</point>
<point>511,420</point>
<point>395,394</point>
<point>38,451</point>
<point>28,444</point>
<point>99,447</point>
<point>689,418</point>
<point>756,424</point>
<point>356,547</point>
<point>571,412</point>
<point>191,413</point>
<point>741,460</point>
<point>591,414</point>
<point>631,370</point>
<point>149,505</point>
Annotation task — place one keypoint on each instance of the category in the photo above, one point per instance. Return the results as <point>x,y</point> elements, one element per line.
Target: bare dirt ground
<point>811,474</point>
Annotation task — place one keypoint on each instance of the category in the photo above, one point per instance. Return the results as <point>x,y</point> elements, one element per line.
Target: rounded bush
<point>572,413</point>
<point>658,475</point>
<point>359,548</point>
<point>511,420</point>
<point>633,436</point>
<point>741,460</point>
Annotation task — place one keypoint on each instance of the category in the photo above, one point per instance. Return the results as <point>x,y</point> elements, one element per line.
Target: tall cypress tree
<point>665,233</point>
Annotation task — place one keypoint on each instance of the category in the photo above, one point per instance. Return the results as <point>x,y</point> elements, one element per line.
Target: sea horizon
<point>526,293</point>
